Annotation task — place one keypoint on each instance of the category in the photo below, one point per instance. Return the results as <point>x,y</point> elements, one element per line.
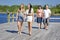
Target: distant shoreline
<point>7,12</point>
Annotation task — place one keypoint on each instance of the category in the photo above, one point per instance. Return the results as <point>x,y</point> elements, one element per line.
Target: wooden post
<point>8,17</point>
<point>13,17</point>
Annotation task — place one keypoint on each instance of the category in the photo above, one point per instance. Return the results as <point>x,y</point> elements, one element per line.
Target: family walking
<point>42,17</point>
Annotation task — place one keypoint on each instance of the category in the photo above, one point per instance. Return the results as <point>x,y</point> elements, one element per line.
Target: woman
<point>39,15</point>
<point>47,14</point>
<point>20,17</point>
<point>29,14</point>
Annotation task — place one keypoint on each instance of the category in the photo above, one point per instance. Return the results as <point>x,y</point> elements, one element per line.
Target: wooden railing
<point>9,17</point>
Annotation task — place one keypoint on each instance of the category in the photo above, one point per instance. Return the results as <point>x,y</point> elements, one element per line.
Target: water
<point>4,18</point>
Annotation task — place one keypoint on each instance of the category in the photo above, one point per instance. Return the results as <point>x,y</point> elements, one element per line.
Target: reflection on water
<point>4,18</point>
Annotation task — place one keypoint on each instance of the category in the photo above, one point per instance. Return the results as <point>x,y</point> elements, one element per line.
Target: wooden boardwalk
<point>9,32</point>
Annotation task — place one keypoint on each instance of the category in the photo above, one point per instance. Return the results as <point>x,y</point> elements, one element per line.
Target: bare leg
<point>46,26</point>
<point>39,24</point>
<point>30,27</point>
<point>19,24</point>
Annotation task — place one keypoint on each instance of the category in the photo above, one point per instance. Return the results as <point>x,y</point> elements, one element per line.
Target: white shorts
<point>29,18</point>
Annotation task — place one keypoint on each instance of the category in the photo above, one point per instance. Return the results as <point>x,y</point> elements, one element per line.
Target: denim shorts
<point>20,18</point>
<point>39,20</point>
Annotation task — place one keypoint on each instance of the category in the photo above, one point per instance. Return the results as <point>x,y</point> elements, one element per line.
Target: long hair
<point>20,6</point>
<point>30,8</point>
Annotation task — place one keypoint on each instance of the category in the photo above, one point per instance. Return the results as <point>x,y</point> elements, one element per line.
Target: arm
<point>42,13</point>
<point>33,15</point>
<point>49,13</point>
<point>37,13</point>
<point>24,14</point>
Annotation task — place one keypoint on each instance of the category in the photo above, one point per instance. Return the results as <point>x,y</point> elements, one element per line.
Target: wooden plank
<point>9,32</point>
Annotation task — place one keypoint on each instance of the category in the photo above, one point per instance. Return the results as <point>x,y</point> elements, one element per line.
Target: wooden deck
<point>9,32</point>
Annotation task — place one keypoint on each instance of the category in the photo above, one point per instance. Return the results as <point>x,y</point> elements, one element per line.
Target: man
<point>47,14</point>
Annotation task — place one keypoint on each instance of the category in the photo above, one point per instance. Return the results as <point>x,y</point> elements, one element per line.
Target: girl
<point>47,14</point>
<point>20,17</point>
<point>29,14</point>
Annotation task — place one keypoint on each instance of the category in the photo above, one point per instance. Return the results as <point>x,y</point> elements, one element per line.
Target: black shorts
<point>46,21</point>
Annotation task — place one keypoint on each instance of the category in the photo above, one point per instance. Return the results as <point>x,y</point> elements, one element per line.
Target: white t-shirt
<point>29,18</point>
<point>47,13</point>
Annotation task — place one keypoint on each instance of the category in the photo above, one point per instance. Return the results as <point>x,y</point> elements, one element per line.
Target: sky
<point>33,2</point>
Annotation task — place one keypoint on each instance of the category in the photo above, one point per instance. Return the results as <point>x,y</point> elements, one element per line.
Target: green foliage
<point>35,8</point>
<point>14,8</point>
<point>56,9</point>
<point>10,8</point>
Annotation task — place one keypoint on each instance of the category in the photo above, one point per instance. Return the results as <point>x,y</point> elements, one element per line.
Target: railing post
<point>8,17</point>
<point>12,17</point>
